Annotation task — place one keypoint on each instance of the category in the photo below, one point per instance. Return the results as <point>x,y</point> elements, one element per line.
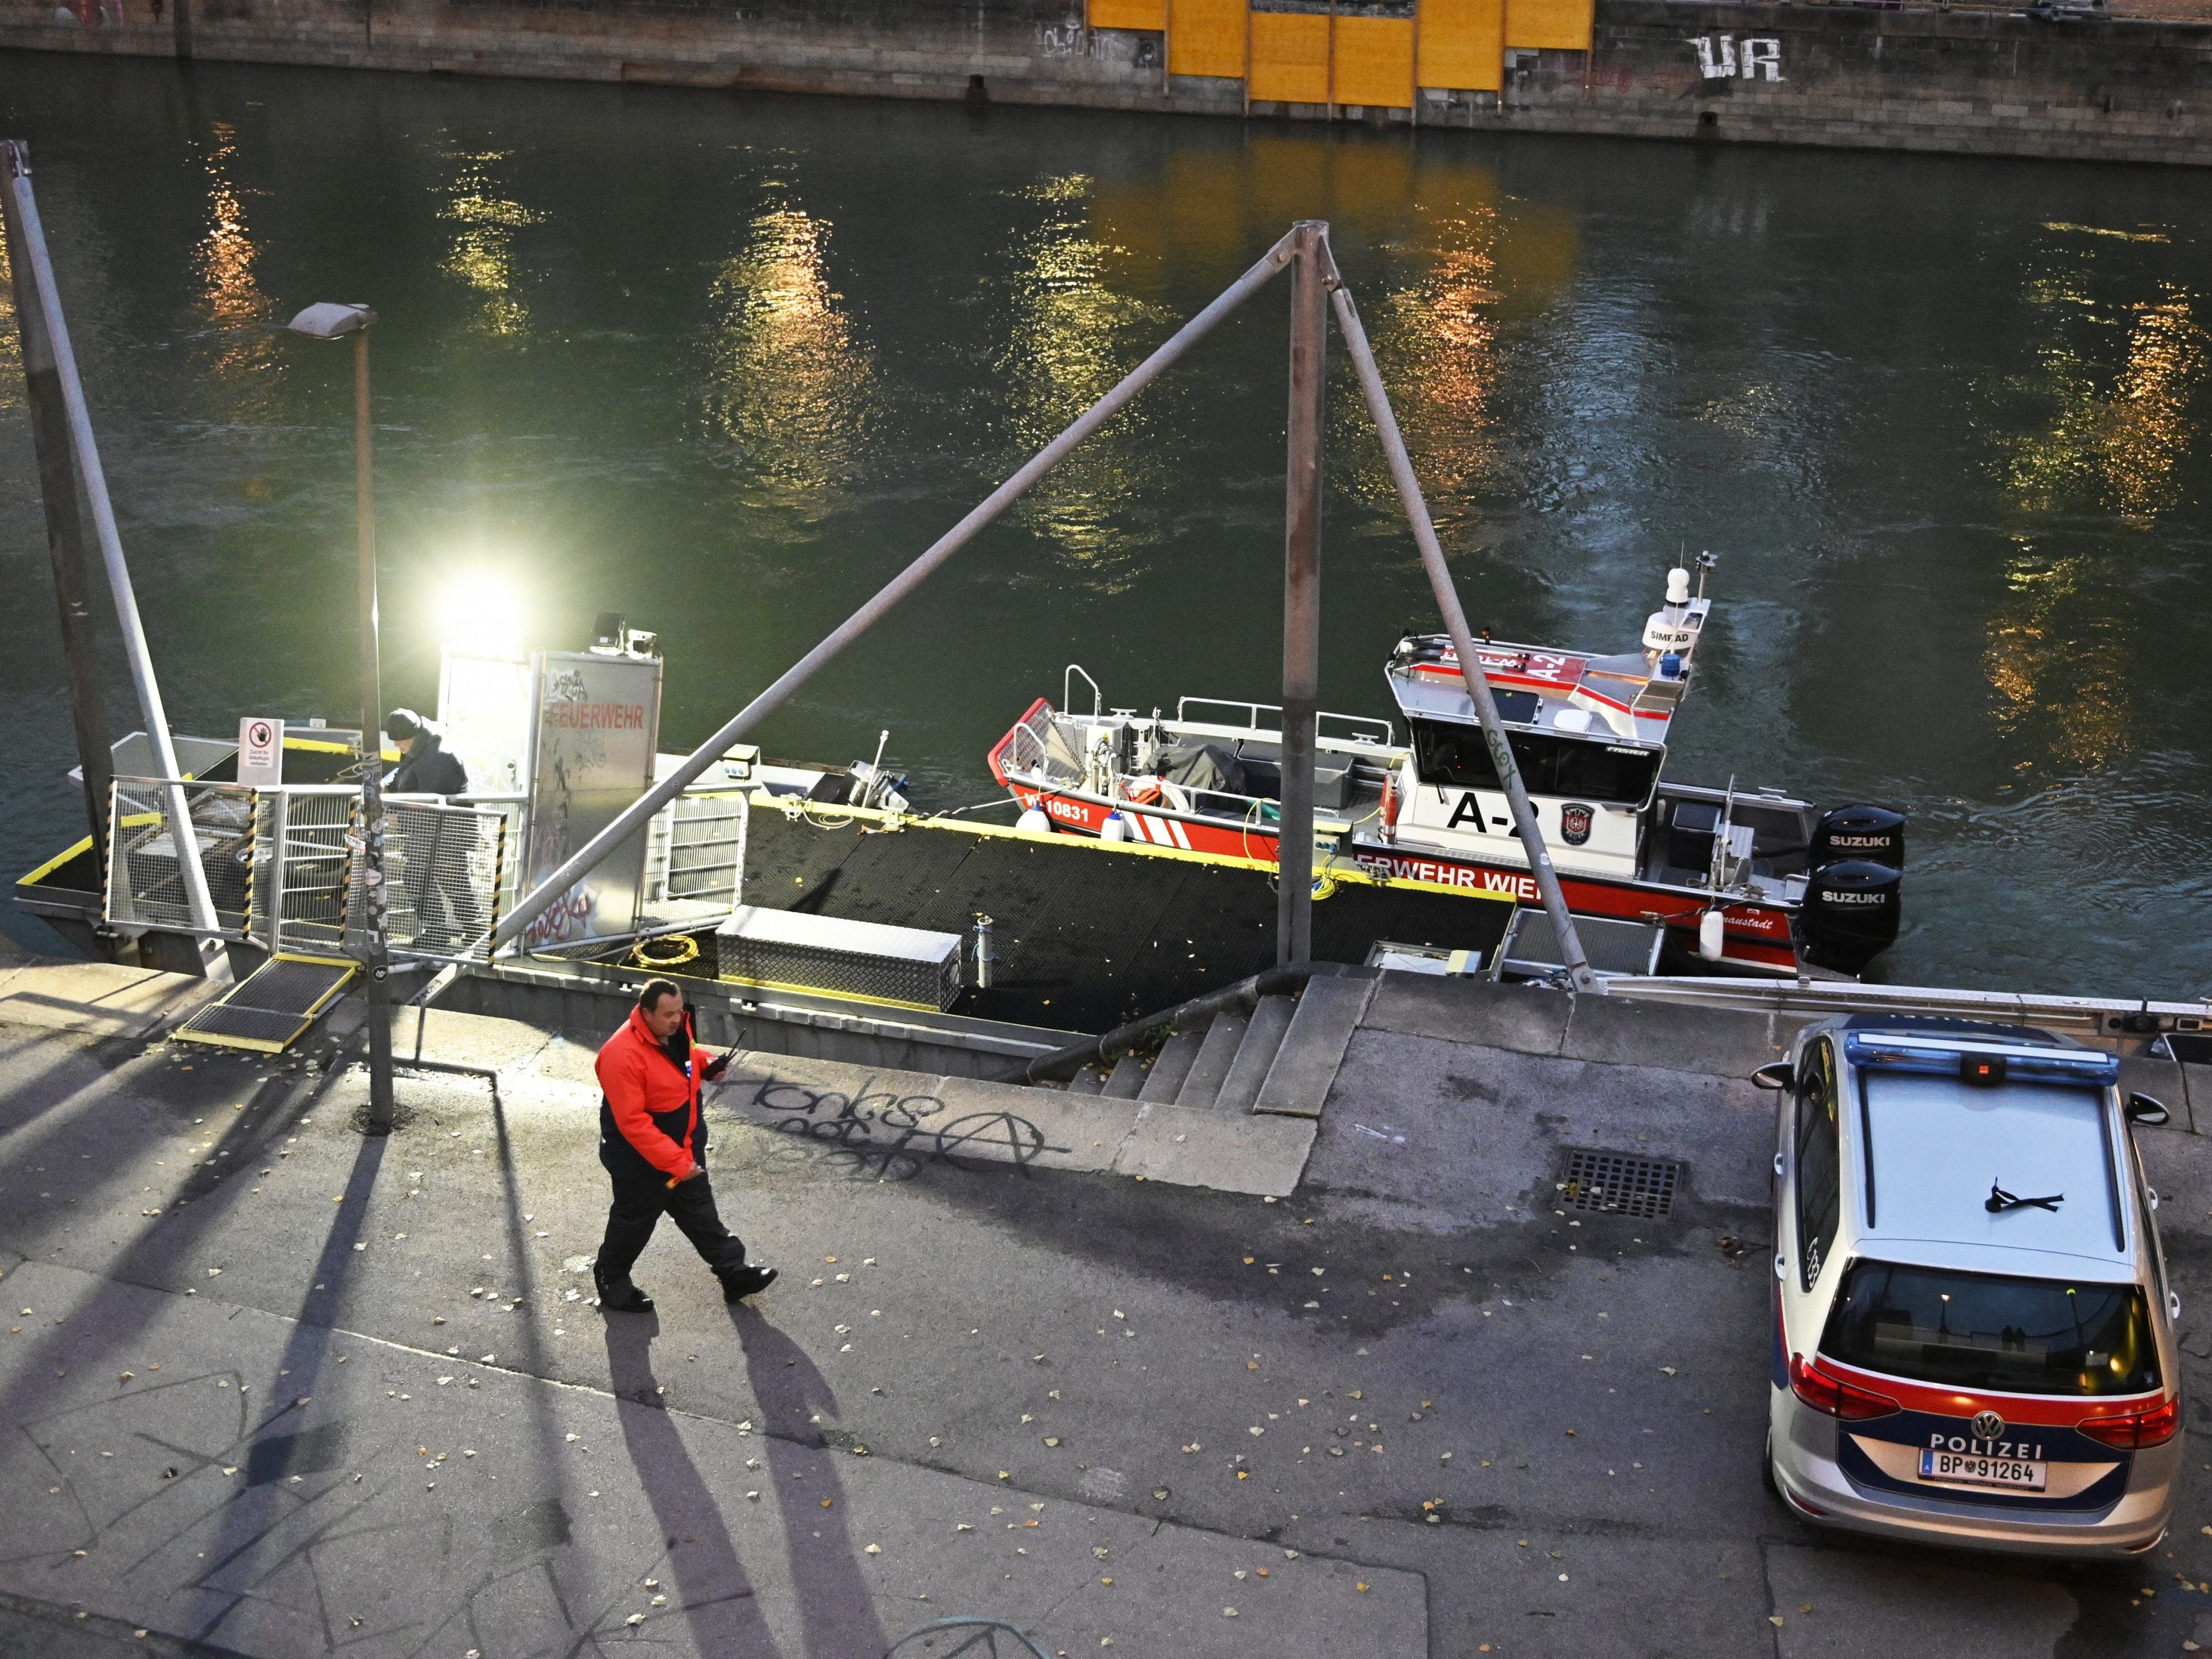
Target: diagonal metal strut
<point>1462,638</point>
<point>626,823</point>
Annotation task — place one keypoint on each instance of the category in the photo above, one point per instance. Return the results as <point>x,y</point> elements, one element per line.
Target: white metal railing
<point>147,880</point>
<point>1362,729</point>
<point>283,866</point>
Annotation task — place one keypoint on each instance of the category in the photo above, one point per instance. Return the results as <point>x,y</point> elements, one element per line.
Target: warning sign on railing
<point>260,752</point>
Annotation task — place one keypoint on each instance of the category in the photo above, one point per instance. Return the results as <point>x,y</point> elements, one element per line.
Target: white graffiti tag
<point>1723,55</point>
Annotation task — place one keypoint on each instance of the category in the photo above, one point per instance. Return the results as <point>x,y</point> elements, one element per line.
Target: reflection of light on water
<point>790,383</point>
<point>1066,344</point>
<point>482,255</point>
<point>2149,431</point>
<point>230,299</point>
<point>11,345</point>
<point>2058,658</point>
<point>1435,342</point>
<point>2127,443</point>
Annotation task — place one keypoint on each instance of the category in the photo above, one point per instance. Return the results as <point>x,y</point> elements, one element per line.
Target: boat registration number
<point>1968,1469</point>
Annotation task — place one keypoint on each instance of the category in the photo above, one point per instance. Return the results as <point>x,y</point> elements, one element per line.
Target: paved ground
<point>1408,1408</point>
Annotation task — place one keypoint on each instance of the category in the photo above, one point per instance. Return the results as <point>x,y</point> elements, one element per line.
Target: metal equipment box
<point>829,956</point>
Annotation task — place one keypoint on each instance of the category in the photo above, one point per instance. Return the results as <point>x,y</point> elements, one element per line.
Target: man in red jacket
<point>653,1141</point>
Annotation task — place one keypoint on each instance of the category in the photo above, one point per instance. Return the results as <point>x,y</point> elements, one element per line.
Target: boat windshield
<point>1580,769</point>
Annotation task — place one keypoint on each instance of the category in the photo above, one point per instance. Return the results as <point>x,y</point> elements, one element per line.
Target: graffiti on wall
<point>1723,57</point>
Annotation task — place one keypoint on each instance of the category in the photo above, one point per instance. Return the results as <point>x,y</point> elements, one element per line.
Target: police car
<point>1973,1332</point>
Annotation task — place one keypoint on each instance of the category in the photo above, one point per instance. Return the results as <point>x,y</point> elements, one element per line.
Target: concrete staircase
<point>1278,1059</point>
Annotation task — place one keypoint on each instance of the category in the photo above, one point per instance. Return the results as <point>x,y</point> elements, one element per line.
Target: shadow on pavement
<point>711,1586</point>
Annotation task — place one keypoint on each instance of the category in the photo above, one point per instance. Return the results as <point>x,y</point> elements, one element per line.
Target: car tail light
<point>1832,1396</point>
<point>2134,1431</point>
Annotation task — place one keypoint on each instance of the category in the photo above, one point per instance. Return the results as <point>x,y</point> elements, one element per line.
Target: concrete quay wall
<point>1969,82</point>
<point>1980,83</point>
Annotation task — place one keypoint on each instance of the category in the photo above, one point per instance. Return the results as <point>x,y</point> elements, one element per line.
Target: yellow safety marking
<point>821,991</point>
<point>314,1010</point>
<point>54,863</point>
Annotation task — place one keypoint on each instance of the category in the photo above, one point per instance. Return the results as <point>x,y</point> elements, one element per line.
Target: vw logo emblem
<point>1988,1425</point>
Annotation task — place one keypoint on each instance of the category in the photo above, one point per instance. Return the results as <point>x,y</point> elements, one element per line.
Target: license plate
<point>1968,1470</point>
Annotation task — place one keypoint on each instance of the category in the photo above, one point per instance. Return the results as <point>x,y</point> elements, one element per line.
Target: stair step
<point>1126,1078</point>
<point>1201,1085</point>
<point>1087,1081</point>
<point>1172,1067</point>
<point>1313,1049</point>
<point>1263,1035</point>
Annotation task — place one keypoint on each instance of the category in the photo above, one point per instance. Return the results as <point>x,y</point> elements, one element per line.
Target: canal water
<point>724,363</point>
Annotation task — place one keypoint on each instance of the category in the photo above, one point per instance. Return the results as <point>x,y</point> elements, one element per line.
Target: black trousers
<point>640,1203</point>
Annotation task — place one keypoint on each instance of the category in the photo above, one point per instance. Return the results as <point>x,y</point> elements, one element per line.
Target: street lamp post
<point>332,322</point>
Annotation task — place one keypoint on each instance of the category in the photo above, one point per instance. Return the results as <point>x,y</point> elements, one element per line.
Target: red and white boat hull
<point>1758,938</point>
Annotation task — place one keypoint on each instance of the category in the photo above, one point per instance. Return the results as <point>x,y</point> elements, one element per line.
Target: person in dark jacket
<point>425,768</point>
<point>434,845</point>
<point>653,1144</point>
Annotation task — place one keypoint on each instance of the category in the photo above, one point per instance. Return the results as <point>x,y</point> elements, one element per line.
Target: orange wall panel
<point>1206,37</point>
<point>1290,56</point>
<point>1561,25</point>
<point>1463,45</point>
<point>1375,61</point>
<point>1129,13</point>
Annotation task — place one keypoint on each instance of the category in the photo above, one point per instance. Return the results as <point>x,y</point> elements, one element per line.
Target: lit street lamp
<point>332,322</point>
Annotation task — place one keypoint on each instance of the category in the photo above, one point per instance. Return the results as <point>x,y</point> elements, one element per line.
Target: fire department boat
<point>1753,881</point>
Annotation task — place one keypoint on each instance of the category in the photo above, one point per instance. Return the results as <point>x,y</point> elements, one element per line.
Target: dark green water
<point>725,364</point>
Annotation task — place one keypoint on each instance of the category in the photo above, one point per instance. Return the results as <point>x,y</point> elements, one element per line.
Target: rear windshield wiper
<point>2000,1201</point>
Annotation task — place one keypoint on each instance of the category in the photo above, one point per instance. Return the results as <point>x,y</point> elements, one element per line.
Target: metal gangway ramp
<point>283,868</point>
<point>270,1007</point>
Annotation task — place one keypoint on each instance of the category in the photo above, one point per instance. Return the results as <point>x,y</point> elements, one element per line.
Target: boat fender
<point>1712,933</point>
<point>1116,828</point>
<point>1035,821</point>
<point>1390,807</point>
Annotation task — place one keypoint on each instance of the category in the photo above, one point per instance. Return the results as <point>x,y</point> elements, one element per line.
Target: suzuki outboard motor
<point>1854,901</point>
<point>1852,911</point>
<point>1872,833</point>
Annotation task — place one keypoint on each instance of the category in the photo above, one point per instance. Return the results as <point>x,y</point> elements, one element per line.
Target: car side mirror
<point>1779,1075</point>
<point>2146,1109</point>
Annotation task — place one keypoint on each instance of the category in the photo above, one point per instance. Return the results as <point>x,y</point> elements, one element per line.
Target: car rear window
<point>1987,1331</point>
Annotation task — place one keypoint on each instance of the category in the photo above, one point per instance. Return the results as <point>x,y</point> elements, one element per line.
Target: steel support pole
<point>64,531</point>
<point>1294,843</point>
<point>1470,665</point>
<point>626,824</point>
<point>375,952</point>
<point>15,178</point>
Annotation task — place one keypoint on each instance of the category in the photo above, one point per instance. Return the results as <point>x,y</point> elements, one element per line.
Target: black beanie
<point>401,724</point>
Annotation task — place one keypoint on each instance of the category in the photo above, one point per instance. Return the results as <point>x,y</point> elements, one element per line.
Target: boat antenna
<point>1706,560</point>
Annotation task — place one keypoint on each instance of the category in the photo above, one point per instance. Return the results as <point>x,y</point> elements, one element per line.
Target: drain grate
<point>1620,1183</point>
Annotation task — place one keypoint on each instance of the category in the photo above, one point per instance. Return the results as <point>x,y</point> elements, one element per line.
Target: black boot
<point>741,1282</point>
<point>628,1299</point>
